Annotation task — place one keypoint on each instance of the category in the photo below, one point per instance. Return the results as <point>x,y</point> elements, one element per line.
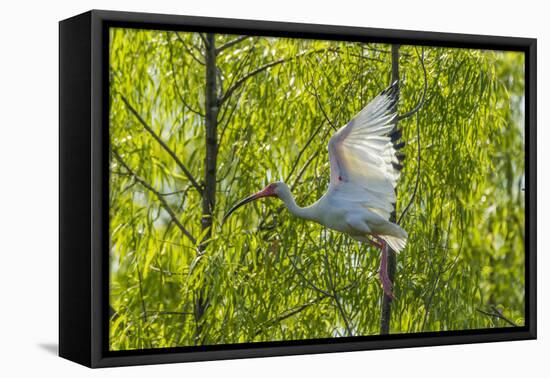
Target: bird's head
<point>275,189</point>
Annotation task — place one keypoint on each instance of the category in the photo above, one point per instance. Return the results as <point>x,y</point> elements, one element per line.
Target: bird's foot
<point>385,280</point>
<point>378,243</point>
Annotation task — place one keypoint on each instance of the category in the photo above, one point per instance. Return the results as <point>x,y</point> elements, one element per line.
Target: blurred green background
<point>199,121</point>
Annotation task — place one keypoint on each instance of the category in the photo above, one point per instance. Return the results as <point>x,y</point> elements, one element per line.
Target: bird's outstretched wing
<point>364,164</point>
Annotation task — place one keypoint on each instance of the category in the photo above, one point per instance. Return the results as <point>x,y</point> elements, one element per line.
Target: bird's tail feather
<point>396,243</point>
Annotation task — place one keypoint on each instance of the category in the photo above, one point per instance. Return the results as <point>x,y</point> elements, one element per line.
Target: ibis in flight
<point>364,169</point>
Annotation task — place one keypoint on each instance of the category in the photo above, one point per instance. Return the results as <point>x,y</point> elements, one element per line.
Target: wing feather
<point>363,158</point>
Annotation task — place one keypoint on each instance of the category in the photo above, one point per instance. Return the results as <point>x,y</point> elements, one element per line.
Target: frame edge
<point>99,17</point>
<point>75,334</point>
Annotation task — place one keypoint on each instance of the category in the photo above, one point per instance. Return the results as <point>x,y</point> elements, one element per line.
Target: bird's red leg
<point>385,280</point>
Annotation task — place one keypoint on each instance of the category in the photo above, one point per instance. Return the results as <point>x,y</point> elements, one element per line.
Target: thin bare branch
<point>315,93</point>
<point>204,40</point>
<point>303,169</point>
<point>289,313</point>
<point>302,150</point>
<point>229,111</point>
<point>237,72</point>
<point>231,43</point>
<point>260,69</point>
<point>497,314</point>
<point>167,272</point>
<point>419,149</point>
<point>161,199</point>
<point>309,160</point>
<point>176,85</point>
<point>242,80</point>
<point>165,194</point>
<point>193,46</point>
<point>180,313</point>
<point>321,107</point>
<point>189,51</point>
<point>141,296</point>
<point>163,145</point>
<point>297,309</point>
<point>329,121</point>
<point>336,297</point>
<point>423,98</point>
<point>440,270</point>
<point>306,280</point>
<point>173,193</point>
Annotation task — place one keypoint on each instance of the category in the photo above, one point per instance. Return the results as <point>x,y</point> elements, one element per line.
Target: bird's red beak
<point>268,191</point>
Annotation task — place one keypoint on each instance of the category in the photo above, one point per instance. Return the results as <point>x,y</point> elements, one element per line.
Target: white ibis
<point>364,168</point>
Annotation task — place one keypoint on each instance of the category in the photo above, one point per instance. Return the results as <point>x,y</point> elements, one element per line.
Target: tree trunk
<point>385,313</point>
<point>210,162</point>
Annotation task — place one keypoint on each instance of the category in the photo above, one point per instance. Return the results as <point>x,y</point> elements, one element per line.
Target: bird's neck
<point>301,212</point>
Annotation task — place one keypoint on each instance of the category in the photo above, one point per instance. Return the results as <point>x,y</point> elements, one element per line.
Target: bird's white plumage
<point>363,171</point>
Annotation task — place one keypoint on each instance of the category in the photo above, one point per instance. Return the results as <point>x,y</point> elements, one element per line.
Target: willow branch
<point>440,272</point>
<point>417,172</point>
<point>423,98</point>
<point>297,309</point>
<point>289,313</point>
<point>303,169</point>
<point>142,299</point>
<point>498,315</point>
<point>159,196</point>
<point>231,43</point>
<point>308,161</point>
<point>192,45</point>
<point>167,272</point>
<point>302,150</point>
<point>174,192</point>
<point>184,44</point>
<point>204,40</point>
<point>336,297</point>
<point>261,69</point>
<point>242,80</point>
<point>164,194</point>
<point>307,281</point>
<point>176,85</point>
<point>329,121</point>
<point>238,71</point>
<point>180,313</point>
<point>163,145</point>
<point>229,111</point>
<point>316,95</point>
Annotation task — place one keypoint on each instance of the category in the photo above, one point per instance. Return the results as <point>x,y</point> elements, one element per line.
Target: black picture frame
<point>83,181</point>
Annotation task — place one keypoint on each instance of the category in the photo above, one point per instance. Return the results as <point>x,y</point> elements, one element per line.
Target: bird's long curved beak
<point>266,192</point>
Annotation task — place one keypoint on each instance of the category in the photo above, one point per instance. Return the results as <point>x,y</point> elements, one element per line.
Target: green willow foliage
<point>265,275</point>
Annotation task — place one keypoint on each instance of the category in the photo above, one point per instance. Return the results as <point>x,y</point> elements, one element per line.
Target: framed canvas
<point>234,188</point>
